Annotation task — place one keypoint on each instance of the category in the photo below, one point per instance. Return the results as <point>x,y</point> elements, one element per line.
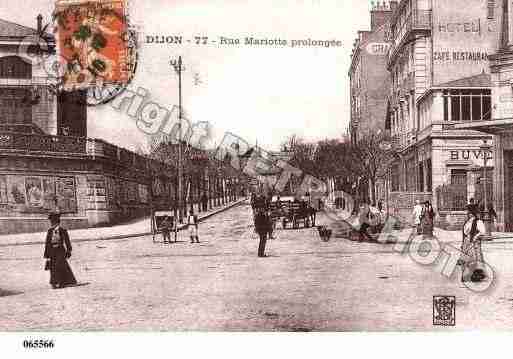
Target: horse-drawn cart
<point>297,212</point>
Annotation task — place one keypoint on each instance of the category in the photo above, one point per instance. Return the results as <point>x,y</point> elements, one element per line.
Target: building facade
<point>440,75</point>
<point>500,125</point>
<point>369,79</point>
<point>47,162</point>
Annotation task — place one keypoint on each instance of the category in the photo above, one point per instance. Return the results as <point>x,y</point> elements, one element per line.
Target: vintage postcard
<point>255,166</point>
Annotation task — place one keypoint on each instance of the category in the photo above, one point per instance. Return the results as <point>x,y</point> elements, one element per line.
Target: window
<point>395,178</point>
<point>410,176</point>
<point>429,182</point>
<point>14,108</point>
<point>421,178</point>
<point>459,177</point>
<point>15,67</point>
<point>467,105</point>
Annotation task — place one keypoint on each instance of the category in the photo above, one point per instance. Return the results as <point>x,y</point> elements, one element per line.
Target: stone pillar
<point>499,181</point>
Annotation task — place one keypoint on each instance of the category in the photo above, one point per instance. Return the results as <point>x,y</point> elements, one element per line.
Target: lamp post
<point>387,146</point>
<point>177,65</point>
<point>485,148</point>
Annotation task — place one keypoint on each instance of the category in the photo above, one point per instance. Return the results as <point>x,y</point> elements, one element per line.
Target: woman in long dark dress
<point>472,255</point>
<point>428,219</point>
<point>57,250</point>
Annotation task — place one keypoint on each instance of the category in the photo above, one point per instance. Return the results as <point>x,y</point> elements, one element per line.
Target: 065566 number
<point>38,344</point>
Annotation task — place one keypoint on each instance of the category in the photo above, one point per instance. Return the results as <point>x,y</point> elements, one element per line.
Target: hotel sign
<point>463,39</point>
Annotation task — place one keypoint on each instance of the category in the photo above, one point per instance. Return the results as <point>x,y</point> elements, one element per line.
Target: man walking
<point>263,228</point>
<point>192,222</point>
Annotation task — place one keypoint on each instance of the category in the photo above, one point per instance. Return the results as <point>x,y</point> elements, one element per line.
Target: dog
<point>324,233</point>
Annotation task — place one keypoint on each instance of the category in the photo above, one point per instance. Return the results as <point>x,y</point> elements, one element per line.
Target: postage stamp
<point>92,37</point>
<point>444,311</point>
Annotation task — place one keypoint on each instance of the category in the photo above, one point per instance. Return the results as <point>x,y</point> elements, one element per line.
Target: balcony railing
<point>403,140</point>
<point>404,85</point>
<point>37,144</point>
<point>42,143</point>
<point>417,20</point>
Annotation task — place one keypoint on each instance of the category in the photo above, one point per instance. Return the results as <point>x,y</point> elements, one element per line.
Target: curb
<point>130,235</point>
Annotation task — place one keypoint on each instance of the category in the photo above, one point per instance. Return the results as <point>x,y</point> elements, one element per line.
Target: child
<point>192,222</point>
<point>167,226</point>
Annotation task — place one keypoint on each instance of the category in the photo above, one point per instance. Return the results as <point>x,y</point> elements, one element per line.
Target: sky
<point>263,94</point>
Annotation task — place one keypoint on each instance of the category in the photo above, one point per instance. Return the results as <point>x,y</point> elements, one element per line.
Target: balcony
<point>418,20</point>
<point>36,143</point>
<point>403,140</point>
<point>34,81</point>
<point>403,87</point>
<point>79,147</point>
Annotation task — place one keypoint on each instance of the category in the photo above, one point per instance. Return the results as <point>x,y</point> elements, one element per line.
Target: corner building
<point>47,162</point>
<point>440,75</point>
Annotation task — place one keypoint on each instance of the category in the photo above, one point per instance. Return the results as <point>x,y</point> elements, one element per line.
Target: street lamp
<point>485,148</point>
<point>387,146</point>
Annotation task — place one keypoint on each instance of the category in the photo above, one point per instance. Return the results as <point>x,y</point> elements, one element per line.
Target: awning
<point>491,127</point>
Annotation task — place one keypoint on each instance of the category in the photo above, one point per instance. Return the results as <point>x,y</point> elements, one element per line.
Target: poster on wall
<point>34,192</point>
<point>143,193</point>
<point>49,198</point>
<point>158,187</point>
<point>3,190</point>
<point>17,190</point>
<point>111,192</point>
<point>97,189</point>
<point>132,191</point>
<point>65,191</point>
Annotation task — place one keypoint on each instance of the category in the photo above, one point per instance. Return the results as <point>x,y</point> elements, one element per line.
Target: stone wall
<point>87,192</point>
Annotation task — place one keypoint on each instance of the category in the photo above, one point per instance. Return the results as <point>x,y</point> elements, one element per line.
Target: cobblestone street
<point>220,284</point>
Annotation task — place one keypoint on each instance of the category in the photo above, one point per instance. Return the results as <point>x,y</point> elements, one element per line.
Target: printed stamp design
<point>444,311</point>
<point>93,40</point>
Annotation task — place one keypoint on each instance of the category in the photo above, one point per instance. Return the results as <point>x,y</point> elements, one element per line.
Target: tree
<point>371,159</point>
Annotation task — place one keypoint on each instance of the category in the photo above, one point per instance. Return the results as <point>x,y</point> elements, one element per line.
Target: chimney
<point>380,13</point>
<point>39,23</point>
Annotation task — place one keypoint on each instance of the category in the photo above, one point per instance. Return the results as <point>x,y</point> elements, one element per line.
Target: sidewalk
<point>341,228</point>
<point>135,229</point>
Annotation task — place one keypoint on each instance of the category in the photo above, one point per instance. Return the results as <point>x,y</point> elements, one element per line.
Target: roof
<point>481,80</point>
<point>12,30</point>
